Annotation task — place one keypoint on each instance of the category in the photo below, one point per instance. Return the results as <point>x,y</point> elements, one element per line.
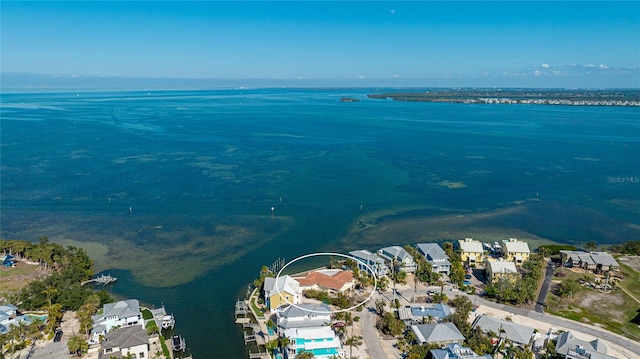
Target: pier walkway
<point>102,280</point>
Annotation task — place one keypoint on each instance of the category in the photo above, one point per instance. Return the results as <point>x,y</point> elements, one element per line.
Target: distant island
<point>629,97</point>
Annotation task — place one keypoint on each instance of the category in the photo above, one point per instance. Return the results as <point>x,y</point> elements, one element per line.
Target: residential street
<point>619,346</point>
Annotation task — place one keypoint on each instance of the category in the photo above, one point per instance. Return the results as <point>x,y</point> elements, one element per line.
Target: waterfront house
<point>321,341</point>
<point>417,314</point>
<point>124,313</point>
<point>403,260</point>
<point>471,252</point>
<point>456,351</point>
<point>373,261</point>
<point>438,333</point>
<point>436,256</point>
<point>285,290</point>
<point>8,316</point>
<point>330,280</point>
<point>518,334</point>
<point>568,346</point>
<point>594,261</point>
<point>119,343</point>
<point>515,251</point>
<point>304,315</point>
<point>500,269</point>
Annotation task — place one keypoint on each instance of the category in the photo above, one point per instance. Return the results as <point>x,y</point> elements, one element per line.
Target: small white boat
<point>168,321</point>
<point>178,344</point>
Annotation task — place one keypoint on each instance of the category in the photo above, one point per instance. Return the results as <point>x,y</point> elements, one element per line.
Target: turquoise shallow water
<point>208,166</point>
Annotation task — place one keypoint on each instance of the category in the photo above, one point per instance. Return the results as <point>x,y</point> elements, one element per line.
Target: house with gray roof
<point>594,261</point>
<point>368,261</point>
<point>517,333</point>
<point>438,333</point>
<point>124,313</point>
<point>436,256</point>
<point>568,346</point>
<point>456,351</point>
<point>417,314</point>
<point>118,343</point>
<point>403,260</point>
<point>304,315</point>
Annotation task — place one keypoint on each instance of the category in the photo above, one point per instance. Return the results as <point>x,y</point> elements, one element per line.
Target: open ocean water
<point>173,192</point>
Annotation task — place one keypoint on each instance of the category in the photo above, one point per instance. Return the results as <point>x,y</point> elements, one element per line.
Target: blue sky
<point>429,43</point>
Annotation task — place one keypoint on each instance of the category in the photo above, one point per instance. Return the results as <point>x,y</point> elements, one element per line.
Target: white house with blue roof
<point>436,256</point>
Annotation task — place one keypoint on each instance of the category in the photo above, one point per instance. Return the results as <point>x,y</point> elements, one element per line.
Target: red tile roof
<point>335,282</point>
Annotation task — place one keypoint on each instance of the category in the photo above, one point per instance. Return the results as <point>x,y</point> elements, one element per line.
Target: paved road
<point>542,297</point>
<point>50,350</point>
<point>369,331</point>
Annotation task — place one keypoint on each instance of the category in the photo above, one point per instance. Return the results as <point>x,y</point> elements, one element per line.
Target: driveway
<point>542,296</point>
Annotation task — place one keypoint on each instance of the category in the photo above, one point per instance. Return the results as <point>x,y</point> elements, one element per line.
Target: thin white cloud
<point>603,66</point>
<point>545,66</point>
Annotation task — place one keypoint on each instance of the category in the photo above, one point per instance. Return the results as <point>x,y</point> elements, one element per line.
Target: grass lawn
<point>14,278</point>
<point>146,314</point>
<point>613,311</point>
<point>255,307</point>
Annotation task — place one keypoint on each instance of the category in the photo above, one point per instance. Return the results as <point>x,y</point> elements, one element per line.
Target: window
<point>141,354</point>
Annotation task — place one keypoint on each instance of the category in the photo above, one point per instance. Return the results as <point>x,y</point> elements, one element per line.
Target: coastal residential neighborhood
<point>461,299</point>
<point>52,307</point>
<point>434,300</point>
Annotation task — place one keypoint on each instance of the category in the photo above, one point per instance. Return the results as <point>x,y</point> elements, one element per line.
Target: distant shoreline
<point>520,97</point>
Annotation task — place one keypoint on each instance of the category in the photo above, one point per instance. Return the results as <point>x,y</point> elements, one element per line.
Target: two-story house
<point>497,269</point>
<point>435,255</point>
<point>471,252</point>
<point>285,290</point>
<point>307,327</point>
<point>124,313</point>
<point>404,261</point>
<point>515,251</point>
<point>374,262</point>
<point>119,343</point>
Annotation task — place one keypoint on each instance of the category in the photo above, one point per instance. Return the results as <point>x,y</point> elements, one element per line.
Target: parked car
<point>58,336</point>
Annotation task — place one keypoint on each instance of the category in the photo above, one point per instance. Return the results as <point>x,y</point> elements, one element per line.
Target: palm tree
<point>380,304</point>
<point>270,346</point>
<point>353,341</point>
<point>305,355</point>
<point>53,318</point>
<point>270,325</point>
<point>35,329</point>
<point>77,345</point>
<point>283,343</point>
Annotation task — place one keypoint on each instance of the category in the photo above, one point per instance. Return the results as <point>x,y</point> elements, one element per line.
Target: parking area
<point>478,278</point>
